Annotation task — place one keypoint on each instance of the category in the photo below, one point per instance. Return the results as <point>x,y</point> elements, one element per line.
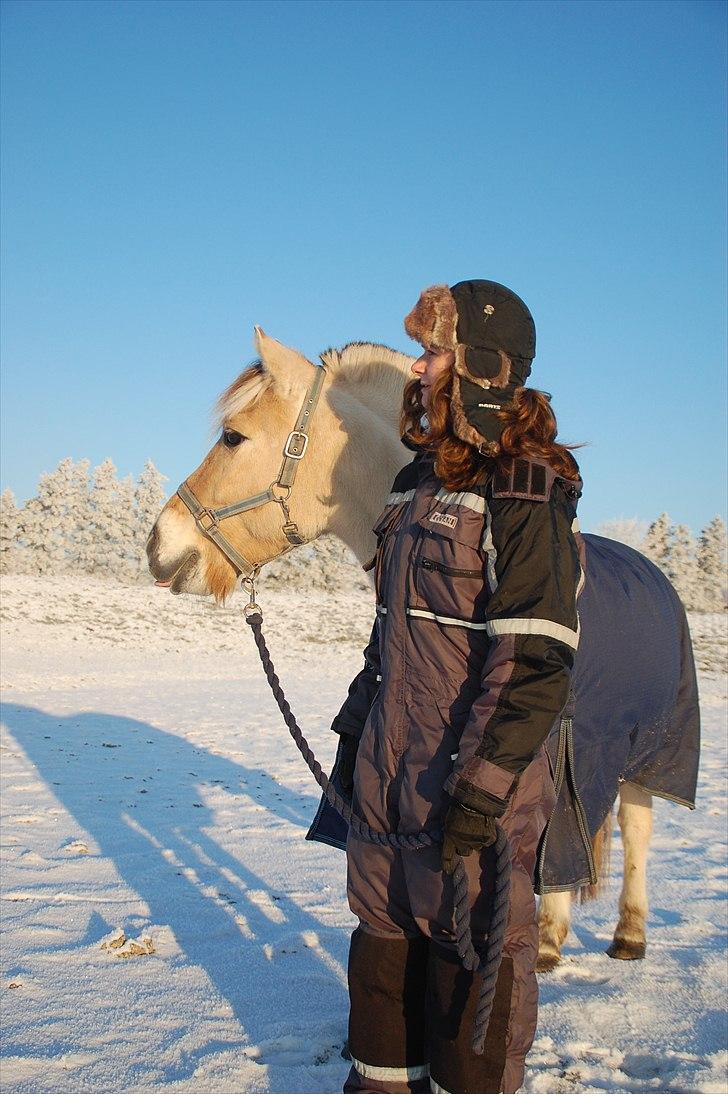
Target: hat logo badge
<point>488,311</point>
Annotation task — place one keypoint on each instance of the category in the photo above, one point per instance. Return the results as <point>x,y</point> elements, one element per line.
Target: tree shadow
<point>140,793</point>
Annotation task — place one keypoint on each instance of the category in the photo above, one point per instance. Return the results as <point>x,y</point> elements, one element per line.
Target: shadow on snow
<point>138,792</point>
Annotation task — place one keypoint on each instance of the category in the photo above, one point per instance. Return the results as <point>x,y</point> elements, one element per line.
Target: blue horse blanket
<point>633,714</point>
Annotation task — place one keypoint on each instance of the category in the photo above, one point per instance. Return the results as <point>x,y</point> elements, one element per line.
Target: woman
<point>467,671</point>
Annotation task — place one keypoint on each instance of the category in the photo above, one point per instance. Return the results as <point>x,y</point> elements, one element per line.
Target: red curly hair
<point>529,430</point>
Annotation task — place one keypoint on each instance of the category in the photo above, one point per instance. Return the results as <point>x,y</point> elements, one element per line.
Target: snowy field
<point>167,928</point>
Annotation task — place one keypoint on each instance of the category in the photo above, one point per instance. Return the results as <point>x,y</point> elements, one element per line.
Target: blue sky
<point>175,172</point>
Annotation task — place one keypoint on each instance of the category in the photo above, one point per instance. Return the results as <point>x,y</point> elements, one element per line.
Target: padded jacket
<point>471,652</point>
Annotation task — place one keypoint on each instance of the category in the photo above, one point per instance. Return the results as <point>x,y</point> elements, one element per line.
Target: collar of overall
<point>208,519</point>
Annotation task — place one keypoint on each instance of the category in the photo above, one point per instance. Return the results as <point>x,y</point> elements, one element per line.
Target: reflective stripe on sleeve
<point>392,1074</point>
<point>545,627</point>
<point>435,1087</point>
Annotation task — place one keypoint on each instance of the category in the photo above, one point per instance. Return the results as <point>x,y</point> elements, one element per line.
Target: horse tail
<point>601,846</point>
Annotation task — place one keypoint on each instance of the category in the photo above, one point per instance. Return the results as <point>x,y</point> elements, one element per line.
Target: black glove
<point>466,830</point>
<point>347,760</point>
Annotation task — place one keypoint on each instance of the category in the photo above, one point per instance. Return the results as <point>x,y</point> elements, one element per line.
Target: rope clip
<point>252,607</point>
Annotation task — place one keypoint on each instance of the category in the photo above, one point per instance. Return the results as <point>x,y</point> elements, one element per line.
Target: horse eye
<point>231,438</point>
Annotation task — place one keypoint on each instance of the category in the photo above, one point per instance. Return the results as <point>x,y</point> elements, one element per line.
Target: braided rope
<point>487,966</point>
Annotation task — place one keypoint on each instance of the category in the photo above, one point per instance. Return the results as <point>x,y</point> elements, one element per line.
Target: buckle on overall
<point>296,445</point>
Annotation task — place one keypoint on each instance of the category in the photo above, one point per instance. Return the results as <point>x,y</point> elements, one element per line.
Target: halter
<point>279,491</point>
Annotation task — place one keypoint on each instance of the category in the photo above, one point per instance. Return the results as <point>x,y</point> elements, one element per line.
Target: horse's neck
<point>368,410</point>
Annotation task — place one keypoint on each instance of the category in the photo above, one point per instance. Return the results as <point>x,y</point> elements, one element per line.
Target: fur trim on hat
<point>433,320</point>
<point>501,380</point>
<point>462,427</point>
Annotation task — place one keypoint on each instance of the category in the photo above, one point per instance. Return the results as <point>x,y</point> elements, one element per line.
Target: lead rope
<point>486,967</point>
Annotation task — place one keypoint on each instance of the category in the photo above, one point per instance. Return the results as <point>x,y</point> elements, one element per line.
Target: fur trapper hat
<point>493,336</point>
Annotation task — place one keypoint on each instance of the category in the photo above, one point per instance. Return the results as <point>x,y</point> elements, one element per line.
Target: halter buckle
<point>297,441</point>
<point>210,515</point>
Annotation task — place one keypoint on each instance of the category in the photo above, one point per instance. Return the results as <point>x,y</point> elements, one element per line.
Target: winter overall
<point>466,672</point>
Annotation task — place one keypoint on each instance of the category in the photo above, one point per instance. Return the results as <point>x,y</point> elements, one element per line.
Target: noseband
<point>208,520</point>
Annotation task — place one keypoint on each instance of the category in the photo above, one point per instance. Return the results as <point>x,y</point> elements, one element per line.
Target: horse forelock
<point>243,392</point>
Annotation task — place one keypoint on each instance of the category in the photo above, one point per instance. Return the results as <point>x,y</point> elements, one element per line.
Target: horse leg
<point>635,823</point>
<point>554,917</point>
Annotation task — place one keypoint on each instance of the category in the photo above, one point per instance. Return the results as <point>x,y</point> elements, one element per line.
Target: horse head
<point>355,419</point>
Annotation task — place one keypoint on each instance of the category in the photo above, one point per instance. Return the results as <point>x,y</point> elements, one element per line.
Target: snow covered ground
<point>149,787</point>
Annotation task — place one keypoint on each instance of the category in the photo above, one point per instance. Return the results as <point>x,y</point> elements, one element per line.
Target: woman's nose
<point>418,366</point>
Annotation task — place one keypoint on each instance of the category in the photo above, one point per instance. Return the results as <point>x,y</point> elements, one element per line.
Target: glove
<point>347,760</point>
<point>466,830</point>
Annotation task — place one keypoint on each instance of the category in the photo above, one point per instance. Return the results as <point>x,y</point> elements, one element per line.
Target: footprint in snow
<point>75,847</point>
<point>291,1049</point>
<point>570,972</point>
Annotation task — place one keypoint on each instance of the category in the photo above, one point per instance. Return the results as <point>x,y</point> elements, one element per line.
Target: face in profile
<point>429,366</point>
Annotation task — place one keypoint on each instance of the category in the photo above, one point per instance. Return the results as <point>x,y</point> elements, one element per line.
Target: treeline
<point>696,566</point>
<point>83,522</point>
<point>90,521</point>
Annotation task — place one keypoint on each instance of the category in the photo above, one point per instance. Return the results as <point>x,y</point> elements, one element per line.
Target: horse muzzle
<point>177,573</point>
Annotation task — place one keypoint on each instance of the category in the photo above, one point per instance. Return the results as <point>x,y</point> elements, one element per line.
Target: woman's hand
<point>466,830</point>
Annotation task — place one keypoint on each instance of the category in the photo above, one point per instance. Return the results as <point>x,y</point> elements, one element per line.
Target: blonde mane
<point>365,363</point>
<point>243,391</point>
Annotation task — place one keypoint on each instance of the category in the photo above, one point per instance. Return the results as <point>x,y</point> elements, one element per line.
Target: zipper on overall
<point>453,571</point>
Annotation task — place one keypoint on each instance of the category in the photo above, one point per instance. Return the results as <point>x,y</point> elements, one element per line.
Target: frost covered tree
<point>51,546</point>
<point>9,548</point>
<point>682,567</point>
<point>76,533</point>
<point>126,530</point>
<point>657,542</point>
<point>149,498</point>
<point>96,525</point>
<point>49,524</point>
<point>629,530</point>
<point>109,498</point>
<point>712,566</point>
<point>28,538</point>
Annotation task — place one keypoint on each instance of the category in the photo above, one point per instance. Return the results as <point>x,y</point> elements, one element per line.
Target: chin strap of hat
<point>208,519</point>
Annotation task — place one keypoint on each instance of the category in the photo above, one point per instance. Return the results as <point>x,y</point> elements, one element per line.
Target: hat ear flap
<point>484,367</point>
<point>461,423</point>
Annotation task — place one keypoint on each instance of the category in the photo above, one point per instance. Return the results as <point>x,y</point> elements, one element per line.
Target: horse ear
<point>286,367</point>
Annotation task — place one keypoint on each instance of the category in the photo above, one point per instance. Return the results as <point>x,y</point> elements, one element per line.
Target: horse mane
<point>363,362</point>
<point>371,366</point>
<point>357,365</point>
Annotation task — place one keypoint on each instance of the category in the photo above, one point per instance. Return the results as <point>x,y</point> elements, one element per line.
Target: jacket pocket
<point>449,577</point>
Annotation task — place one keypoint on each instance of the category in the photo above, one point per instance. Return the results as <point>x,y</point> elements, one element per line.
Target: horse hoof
<point>547,962</point>
<point>623,950</point>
